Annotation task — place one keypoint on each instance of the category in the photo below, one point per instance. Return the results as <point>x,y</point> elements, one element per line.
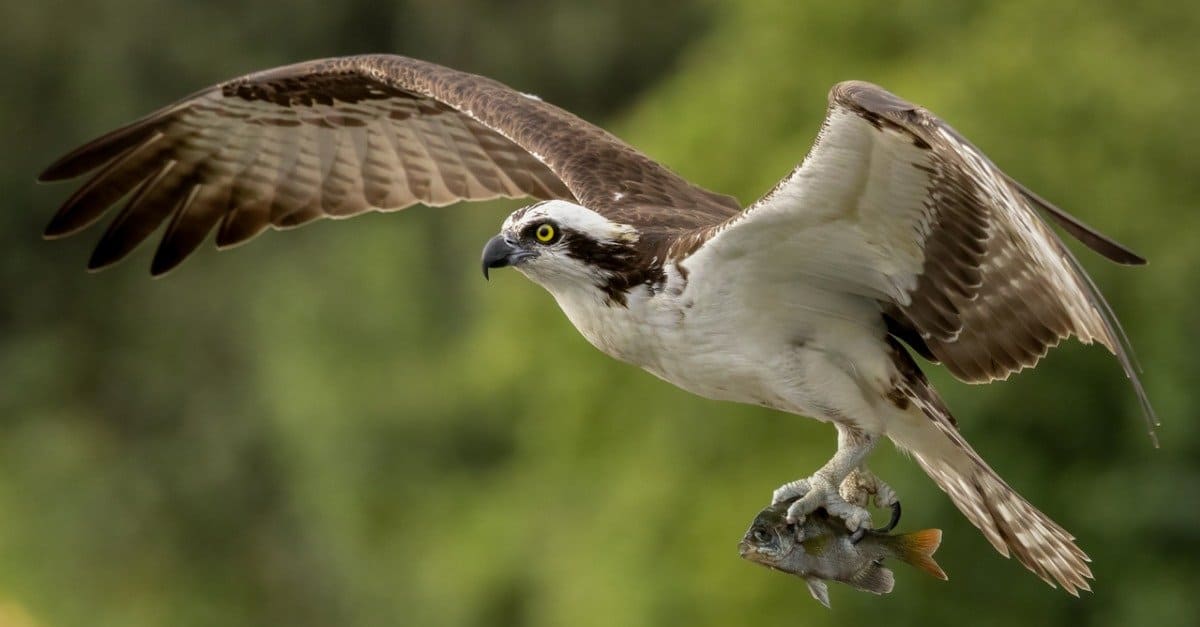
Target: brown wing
<point>338,137</point>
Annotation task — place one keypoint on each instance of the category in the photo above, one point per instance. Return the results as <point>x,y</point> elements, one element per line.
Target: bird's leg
<point>821,490</point>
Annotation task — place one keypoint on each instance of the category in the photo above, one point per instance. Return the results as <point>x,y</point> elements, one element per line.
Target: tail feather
<point>1039,543</point>
<point>1012,525</point>
<point>917,548</point>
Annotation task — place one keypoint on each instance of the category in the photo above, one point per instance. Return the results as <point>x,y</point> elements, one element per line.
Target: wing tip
<point>101,259</point>
<point>1133,259</point>
<point>1118,344</point>
<point>94,267</point>
<point>160,270</point>
<point>62,169</point>
<point>78,161</point>
<point>56,229</point>
<point>98,263</point>
<point>100,151</point>
<point>1102,244</point>
<point>1114,252</point>
<point>52,173</point>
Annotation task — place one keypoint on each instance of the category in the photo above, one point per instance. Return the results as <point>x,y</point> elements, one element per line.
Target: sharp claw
<point>895,518</point>
<point>858,535</point>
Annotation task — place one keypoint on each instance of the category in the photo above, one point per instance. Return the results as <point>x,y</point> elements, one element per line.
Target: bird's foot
<point>862,486</point>
<point>817,492</point>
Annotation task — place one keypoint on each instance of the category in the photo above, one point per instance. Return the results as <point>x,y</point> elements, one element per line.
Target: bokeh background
<point>344,425</point>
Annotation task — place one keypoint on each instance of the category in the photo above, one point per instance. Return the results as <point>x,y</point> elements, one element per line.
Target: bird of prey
<point>894,235</point>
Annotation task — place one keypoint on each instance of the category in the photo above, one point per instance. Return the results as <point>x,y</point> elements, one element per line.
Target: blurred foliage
<point>345,425</point>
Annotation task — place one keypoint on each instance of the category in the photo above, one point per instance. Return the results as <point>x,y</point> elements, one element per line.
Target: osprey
<point>894,234</point>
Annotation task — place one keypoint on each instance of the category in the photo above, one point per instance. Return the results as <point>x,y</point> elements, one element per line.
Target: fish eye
<point>761,535</point>
<point>545,233</point>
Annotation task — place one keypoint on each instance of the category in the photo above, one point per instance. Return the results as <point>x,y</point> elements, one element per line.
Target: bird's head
<point>560,244</point>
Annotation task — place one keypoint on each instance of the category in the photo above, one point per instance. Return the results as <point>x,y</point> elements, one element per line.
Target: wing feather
<point>143,213</point>
<point>893,203</point>
<point>199,212</point>
<point>338,137</point>
<point>109,185</point>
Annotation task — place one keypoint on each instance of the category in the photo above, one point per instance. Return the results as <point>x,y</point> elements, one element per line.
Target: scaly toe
<point>885,496</point>
<point>789,491</point>
<point>856,518</point>
<point>821,493</point>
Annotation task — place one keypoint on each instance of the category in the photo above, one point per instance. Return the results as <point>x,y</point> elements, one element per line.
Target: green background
<point>345,425</point>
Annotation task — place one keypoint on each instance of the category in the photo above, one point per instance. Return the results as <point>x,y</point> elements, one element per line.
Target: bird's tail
<point>1010,523</point>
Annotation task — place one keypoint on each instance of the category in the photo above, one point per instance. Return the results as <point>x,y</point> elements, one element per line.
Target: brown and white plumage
<point>337,137</point>
<point>894,226</point>
<point>970,274</point>
<point>893,205</point>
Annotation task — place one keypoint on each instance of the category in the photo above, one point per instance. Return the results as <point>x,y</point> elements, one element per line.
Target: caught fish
<point>821,549</point>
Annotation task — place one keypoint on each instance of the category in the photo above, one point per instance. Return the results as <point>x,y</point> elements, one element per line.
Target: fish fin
<point>819,590</point>
<point>917,548</point>
<point>874,578</point>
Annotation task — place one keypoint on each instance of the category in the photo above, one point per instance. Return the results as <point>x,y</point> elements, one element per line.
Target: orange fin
<point>917,548</point>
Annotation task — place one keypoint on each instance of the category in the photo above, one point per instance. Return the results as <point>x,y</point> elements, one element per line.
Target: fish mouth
<point>749,551</point>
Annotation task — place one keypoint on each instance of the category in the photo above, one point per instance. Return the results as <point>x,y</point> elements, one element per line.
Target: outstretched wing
<point>338,137</point>
<point>893,204</point>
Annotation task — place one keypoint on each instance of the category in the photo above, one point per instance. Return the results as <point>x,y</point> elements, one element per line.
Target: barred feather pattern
<point>893,204</point>
<point>334,138</point>
<point>1012,525</point>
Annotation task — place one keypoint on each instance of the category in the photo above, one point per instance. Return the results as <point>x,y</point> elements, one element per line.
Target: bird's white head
<point>561,245</point>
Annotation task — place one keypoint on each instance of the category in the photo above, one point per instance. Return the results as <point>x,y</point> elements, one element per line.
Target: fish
<point>821,549</point>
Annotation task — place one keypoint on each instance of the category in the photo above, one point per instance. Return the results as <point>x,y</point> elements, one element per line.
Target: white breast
<point>709,343</point>
<point>696,346</point>
<point>638,332</point>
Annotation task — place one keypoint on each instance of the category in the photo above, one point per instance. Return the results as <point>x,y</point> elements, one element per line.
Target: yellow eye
<point>544,233</point>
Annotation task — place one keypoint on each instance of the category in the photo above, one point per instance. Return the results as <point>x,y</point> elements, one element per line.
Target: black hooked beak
<point>500,252</point>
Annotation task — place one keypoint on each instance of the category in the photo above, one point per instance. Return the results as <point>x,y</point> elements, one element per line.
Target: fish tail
<point>917,548</point>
